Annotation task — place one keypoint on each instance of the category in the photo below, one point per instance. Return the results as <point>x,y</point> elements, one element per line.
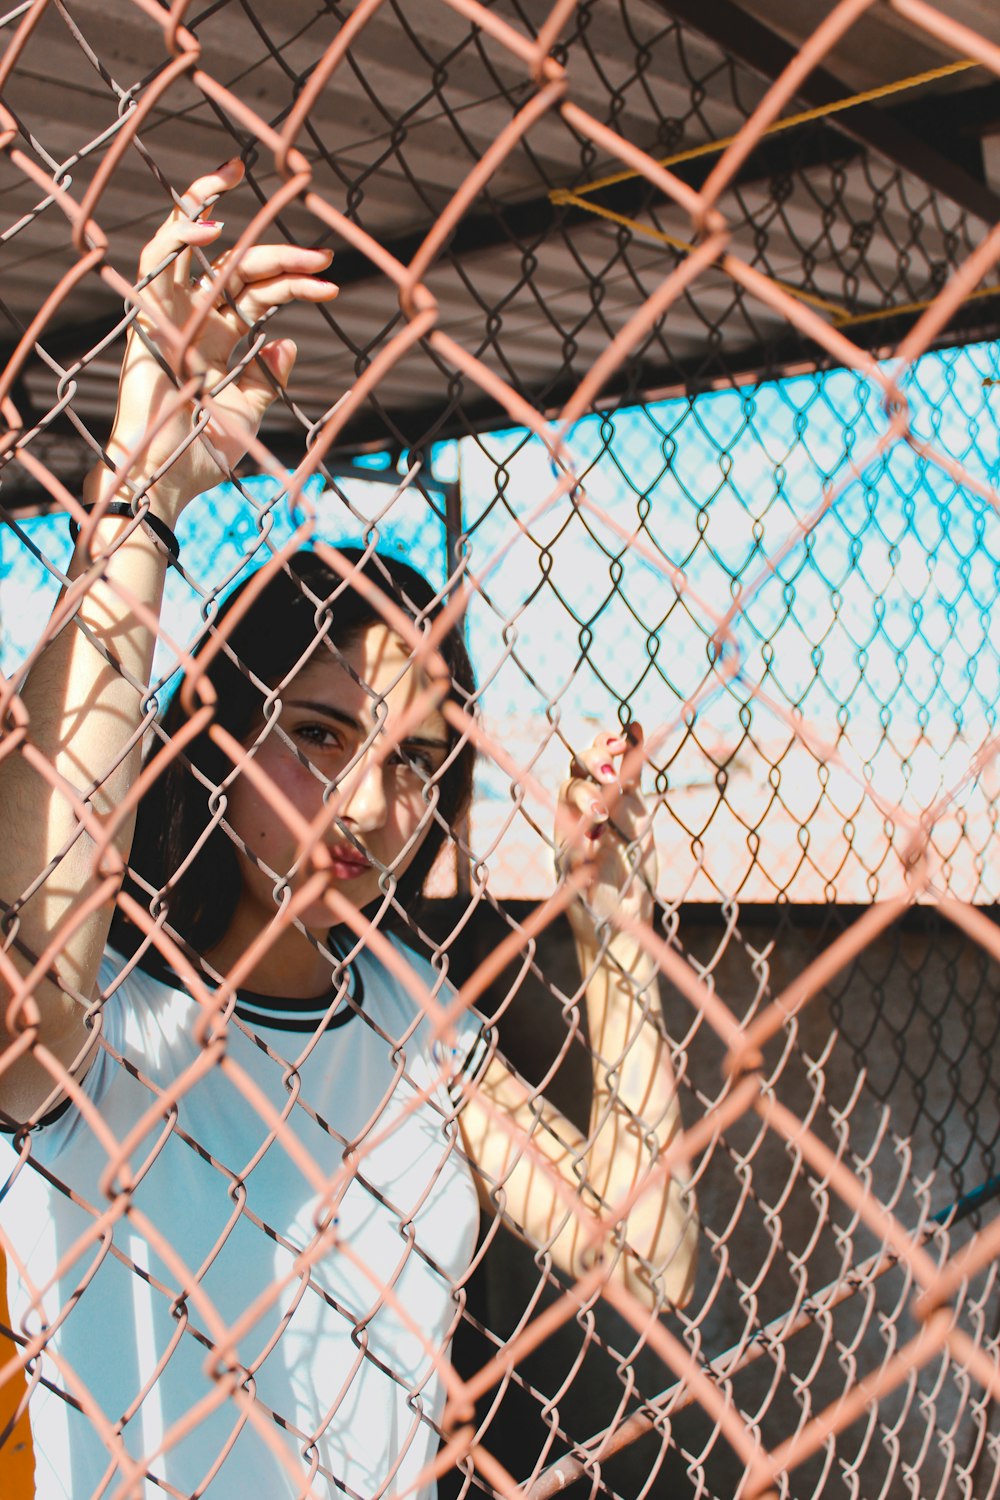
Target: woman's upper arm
<point>44,1035</point>
<point>525,1154</point>
<point>531,1164</point>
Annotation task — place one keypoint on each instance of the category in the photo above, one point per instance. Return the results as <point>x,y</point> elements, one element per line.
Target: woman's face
<point>335,718</point>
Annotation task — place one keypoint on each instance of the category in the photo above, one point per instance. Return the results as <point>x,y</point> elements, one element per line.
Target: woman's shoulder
<point>143,999</point>
<point>403,977</point>
<point>141,1021</point>
<point>405,986</point>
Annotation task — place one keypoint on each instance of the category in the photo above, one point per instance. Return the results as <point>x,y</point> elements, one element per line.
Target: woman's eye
<point>318,737</point>
<point>409,757</point>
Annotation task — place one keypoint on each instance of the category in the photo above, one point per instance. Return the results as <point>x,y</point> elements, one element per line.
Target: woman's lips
<point>347,863</point>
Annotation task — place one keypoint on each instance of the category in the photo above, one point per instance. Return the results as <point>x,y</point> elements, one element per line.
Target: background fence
<point>713,444</point>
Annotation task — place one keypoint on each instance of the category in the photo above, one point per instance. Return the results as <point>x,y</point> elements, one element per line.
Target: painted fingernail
<point>212,223</point>
<point>608,769</point>
<point>594,833</point>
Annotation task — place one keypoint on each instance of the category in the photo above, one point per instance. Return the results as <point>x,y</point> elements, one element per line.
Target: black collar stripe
<point>346,993</point>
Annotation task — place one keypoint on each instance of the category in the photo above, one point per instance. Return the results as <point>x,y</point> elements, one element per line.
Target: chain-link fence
<point>677,387</point>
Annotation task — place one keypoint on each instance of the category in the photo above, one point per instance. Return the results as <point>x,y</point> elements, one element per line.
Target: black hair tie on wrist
<point>161,531</point>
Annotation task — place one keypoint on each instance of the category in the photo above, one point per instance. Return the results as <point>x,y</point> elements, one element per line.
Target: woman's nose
<point>363,790</point>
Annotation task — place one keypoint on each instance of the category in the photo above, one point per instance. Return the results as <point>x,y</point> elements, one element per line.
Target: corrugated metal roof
<point>535,290</point>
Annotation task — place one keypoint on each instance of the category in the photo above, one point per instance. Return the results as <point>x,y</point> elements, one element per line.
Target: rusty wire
<point>843,1330</point>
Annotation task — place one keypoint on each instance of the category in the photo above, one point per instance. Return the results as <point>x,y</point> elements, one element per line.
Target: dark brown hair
<point>276,632</point>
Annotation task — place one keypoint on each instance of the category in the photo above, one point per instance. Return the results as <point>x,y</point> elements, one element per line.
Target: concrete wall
<point>897,1068</point>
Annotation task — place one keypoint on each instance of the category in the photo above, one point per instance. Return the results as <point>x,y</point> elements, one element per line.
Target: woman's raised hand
<point>603,832</point>
<point>267,276</point>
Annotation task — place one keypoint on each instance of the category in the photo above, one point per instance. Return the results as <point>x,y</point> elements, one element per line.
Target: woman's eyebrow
<point>427,742</point>
<point>329,712</point>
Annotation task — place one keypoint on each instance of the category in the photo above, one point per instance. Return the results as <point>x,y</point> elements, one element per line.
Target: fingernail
<point>607,769</point>
<point>598,809</point>
<point>617,744</point>
<point>594,833</point>
<point>213,223</point>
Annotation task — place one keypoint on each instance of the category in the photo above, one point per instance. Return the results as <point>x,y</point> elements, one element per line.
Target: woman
<point>240,1234</point>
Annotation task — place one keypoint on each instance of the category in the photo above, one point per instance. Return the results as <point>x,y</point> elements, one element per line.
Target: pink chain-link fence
<point>766,571</point>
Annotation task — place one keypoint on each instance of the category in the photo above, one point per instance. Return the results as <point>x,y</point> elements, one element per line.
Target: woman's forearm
<point>82,702</point>
<point>635,1115</point>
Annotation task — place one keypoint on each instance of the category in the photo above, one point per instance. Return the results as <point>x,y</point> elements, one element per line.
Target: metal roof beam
<point>530,222</point>
<point>750,42</point>
<point>377,427</point>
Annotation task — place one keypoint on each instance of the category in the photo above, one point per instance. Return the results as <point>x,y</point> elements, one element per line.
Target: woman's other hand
<point>604,835</point>
<point>267,276</point>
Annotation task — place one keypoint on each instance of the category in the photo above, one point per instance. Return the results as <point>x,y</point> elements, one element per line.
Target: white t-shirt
<point>342,1376</point>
